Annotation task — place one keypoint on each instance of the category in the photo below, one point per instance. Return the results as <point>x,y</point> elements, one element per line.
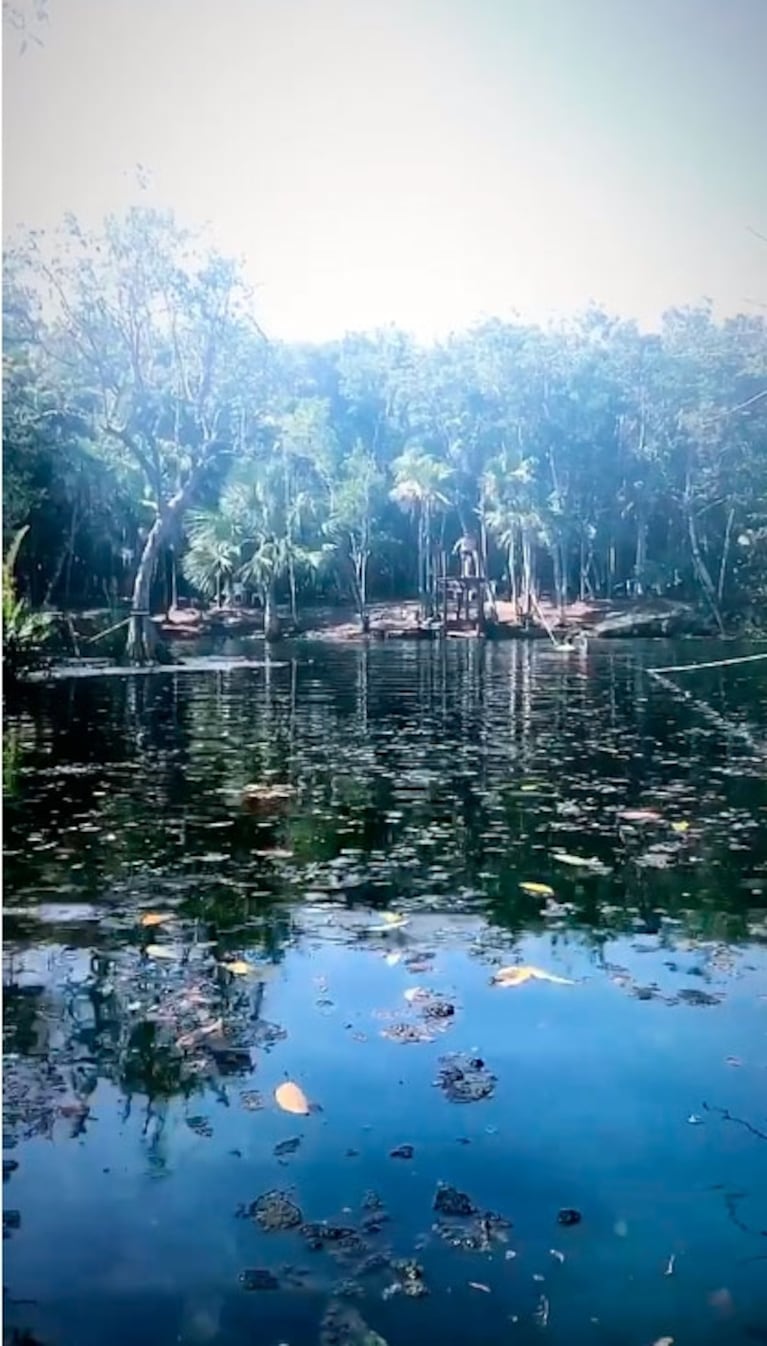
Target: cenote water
<point>574,1158</point>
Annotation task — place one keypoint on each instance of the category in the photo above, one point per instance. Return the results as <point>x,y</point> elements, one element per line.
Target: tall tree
<point>151,341</point>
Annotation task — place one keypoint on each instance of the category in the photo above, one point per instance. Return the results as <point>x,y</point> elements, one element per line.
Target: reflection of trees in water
<point>407,767</point>
<point>155,1032</point>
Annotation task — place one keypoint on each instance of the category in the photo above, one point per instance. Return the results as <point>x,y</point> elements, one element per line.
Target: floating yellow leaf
<point>159,951</point>
<point>516,976</point>
<point>155,917</point>
<point>680,827</point>
<point>238,967</point>
<point>290,1098</point>
<point>391,922</point>
<point>537,889</point>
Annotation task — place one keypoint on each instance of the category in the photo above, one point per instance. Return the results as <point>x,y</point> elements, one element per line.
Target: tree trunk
<point>725,555</point>
<point>142,645</point>
<point>527,573</point>
<point>272,627</point>
<point>512,564</point>
<point>640,558</point>
<point>556,556</point>
<point>427,562</point>
<point>142,638</point>
<point>65,559</point>
<point>563,577</point>
<point>292,585</point>
<point>422,561</point>
<point>362,583</point>
<point>699,565</point>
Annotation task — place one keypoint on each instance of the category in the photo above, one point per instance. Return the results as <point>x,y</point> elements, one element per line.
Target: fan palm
<point>420,487</point>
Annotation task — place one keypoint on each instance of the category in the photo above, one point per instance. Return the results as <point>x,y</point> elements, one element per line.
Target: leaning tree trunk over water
<point>142,638</point>
<point>142,646</point>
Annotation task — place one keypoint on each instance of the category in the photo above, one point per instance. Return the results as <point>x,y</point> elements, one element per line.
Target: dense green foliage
<point>147,418</point>
<point>26,633</point>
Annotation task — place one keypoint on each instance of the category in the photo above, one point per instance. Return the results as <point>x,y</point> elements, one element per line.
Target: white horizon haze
<point>425,163</point>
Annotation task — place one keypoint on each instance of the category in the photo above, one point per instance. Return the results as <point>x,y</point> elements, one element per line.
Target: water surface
<point>427,784</point>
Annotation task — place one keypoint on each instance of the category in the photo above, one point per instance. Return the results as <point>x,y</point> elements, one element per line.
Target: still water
<point>575,1160</point>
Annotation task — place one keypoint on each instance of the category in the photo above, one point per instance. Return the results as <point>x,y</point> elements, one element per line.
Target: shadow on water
<point>177,946</point>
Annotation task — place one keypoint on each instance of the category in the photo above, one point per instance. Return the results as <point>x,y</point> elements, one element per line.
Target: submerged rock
<point>257,1278</point>
<point>569,1216</point>
<point>410,1278</point>
<point>480,1235</point>
<point>404,1032</point>
<point>692,996</point>
<point>317,1233</point>
<point>344,1325</point>
<point>274,1211</point>
<point>438,1009</point>
<point>288,1146</point>
<point>449,1201</point>
<point>372,1201</point>
<point>465,1079</point>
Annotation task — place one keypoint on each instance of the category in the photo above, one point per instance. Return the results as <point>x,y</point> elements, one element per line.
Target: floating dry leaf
<point>267,793</point>
<point>537,889</point>
<point>516,976</point>
<point>156,917</point>
<point>640,815</point>
<point>291,1098</point>
<point>159,951</point>
<point>580,861</point>
<point>238,967</point>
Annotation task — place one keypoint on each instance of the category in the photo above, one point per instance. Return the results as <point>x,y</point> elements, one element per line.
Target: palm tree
<point>512,518</point>
<point>420,482</point>
<point>264,521</point>
<point>213,558</point>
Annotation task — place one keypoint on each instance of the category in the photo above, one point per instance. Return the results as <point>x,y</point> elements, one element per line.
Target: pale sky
<point>423,162</point>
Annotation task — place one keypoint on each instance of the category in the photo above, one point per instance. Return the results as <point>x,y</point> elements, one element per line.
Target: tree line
<point>157,442</point>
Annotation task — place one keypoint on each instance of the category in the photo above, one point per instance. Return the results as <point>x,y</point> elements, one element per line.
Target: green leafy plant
<point>26,634</point>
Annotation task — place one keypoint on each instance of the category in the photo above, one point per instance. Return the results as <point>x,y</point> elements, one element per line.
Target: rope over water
<point>740,731</point>
<point>714,663</point>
